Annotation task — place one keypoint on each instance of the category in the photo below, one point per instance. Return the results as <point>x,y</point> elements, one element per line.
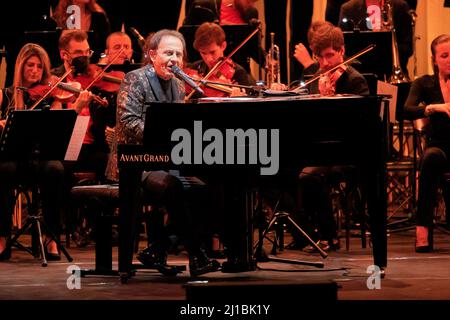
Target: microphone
<point>183,76</point>
<point>139,37</point>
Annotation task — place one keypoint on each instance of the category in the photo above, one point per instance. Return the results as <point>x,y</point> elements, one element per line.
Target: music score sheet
<point>77,138</point>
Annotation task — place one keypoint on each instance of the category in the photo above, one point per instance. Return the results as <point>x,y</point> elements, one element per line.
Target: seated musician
<point>429,97</point>
<point>75,52</point>
<point>32,69</point>
<point>156,82</point>
<point>327,43</point>
<point>225,12</point>
<point>115,42</point>
<point>310,66</point>
<point>210,43</point>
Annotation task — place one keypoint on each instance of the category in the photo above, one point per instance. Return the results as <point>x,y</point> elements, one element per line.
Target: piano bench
<point>101,201</point>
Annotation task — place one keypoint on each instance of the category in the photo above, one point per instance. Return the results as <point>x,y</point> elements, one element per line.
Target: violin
<point>224,74</point>
<point>108,81</point>
<point>327,82</point>
<point>65,91</point>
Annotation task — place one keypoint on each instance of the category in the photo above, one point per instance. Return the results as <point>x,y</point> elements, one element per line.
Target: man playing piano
<point>156,82</point>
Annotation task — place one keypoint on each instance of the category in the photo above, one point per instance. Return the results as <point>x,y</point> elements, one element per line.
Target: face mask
<point>80,64</point>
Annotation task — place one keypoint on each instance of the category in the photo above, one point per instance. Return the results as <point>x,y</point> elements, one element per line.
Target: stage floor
<point>409,275</point>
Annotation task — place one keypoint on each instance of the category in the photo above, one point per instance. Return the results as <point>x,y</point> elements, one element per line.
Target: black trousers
<point>434,164</point>
<point>47,175</point>
<point>163,189</point>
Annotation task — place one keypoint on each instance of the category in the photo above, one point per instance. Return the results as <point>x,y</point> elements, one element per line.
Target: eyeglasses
<point>78,53</point>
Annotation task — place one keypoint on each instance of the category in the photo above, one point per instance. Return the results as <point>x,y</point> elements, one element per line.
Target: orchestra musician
<point>311,195</point>
<point>32,69</point>
<point>91,17</point>
<point>210,42</point>
<point>115,42</point>
<point>225,12</point>
<point>75,52</point>
<point>156,82</point>
<point>429,97</point>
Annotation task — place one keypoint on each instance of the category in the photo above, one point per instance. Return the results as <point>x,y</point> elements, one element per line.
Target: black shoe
<point>152,258</point>
<point>52,256</point>
<point>201,264</point>
<point>5,254</point>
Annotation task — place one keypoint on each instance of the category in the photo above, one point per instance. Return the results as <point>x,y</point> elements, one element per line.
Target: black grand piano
<point>312,130</point>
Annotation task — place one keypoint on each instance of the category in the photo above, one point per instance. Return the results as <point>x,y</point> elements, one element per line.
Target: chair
<point>441,217</point>
<point>102,201</point>
<point>36,224</point>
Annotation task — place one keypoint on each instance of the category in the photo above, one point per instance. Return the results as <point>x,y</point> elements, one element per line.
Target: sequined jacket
<point>139,88</point>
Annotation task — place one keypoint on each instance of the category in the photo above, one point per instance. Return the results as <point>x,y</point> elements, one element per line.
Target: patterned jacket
<point>139,88</point>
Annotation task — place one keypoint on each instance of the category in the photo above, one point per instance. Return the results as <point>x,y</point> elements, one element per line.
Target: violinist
<point>313,194</point>
<point>210,42</point>
<point>32,68</point>
<point>115,42</point>
<point>327,44</point>
<point>75,52</point>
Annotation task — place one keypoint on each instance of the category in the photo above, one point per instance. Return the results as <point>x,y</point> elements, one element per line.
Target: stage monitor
<point>377,61</point>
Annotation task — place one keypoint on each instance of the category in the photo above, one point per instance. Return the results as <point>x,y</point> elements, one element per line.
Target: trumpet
<point>273,63</point>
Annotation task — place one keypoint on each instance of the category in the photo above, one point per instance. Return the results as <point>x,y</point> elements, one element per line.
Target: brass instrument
<point>272,63</point>
<point>397,76</point>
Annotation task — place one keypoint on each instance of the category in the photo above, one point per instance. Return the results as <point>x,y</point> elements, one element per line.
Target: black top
<point>6,106</point>
<point>424,91</point>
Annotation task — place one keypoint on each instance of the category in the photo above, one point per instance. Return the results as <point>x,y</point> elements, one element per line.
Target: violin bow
<point>370,47</point>
<point>220,63</point>
<point>53,87</point>
<point>101,73</point>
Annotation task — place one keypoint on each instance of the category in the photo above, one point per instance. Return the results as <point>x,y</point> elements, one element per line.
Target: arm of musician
<point>81,104</point>
<point>278,86</point>
<point>434,108</point>
<point>302,55</point>
<point>238,92</point>
<point>56,105</point>
<point>130,108</point>
<point>415,105</point>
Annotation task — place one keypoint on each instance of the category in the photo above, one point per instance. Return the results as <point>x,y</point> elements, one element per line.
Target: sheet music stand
<point>378,60</point>
<point>235,34</point>
<point>36,135</point>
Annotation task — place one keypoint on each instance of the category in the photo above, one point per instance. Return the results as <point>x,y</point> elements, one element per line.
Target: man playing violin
<point>210,43</point>
<point>327,44</point>
<point>115,42</point>
<point>32,69</point>
<point>75,52</point>
<point>313,194</point>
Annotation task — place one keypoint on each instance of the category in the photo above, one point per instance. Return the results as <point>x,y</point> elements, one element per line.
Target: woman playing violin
<point>75,52</point>
<point>210,43</point>
<point>32,68</point>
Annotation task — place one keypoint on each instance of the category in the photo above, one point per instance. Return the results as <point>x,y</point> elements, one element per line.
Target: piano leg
<point>129,192</point>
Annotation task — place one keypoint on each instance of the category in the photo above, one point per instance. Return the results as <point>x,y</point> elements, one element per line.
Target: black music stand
<point>379,60</point>
<point>30,136</point>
